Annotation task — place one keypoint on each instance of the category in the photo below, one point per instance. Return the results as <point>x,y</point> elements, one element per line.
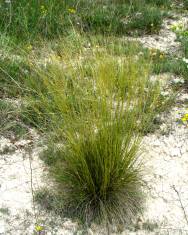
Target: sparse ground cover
<point>95,80</point>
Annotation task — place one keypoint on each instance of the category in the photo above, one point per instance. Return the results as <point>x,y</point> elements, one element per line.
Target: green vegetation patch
<point>10,123</point>
<point>49,19</point>
<point>94,109</point>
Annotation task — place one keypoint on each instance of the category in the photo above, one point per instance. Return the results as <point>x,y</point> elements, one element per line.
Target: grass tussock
<point>95,110</point>
<point>98,175</point>
<point>93,99</point>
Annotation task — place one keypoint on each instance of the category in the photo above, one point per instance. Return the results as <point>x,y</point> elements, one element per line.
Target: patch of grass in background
<point>184,42</point>
<point>148,20</point>
<point>10,123</point>
<point>185,4</point>
<point>174,66</point>
<point>33,19</point>
<point>13,74</point>
<point>183,38</point>
<point>122,19</point>
<point>182,35</point>
<point>180,65</point>
<point>160,3</point>
<point>14,66</point>
<point>26,19</point>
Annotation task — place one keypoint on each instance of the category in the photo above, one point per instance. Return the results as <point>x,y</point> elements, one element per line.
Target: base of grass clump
<point>98,176</point>
<point>49,200</point>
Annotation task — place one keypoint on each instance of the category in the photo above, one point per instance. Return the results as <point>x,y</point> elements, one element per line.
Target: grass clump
<point>96,108</point>
<point>98,177</point>
<point>93,100</point>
